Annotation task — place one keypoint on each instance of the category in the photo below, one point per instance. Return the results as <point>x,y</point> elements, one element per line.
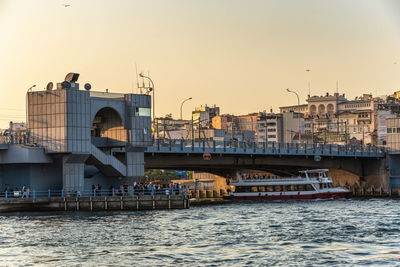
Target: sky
<point>238,54</point>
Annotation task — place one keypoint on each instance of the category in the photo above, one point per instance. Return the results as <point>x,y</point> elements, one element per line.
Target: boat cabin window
<point>243,189</point>
<point>301,187</point>
<point>325,185</point>
<point>279,188</point>
<point>315,175</point>
<point>309,187</point>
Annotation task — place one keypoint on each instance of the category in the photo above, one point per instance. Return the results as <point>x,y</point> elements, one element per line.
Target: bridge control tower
<point>94,137</point>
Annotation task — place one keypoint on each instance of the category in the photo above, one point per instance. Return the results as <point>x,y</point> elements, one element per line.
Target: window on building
<point>143,112</point>
<point>389,130</point>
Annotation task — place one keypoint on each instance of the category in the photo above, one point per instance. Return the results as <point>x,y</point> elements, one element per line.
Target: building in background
<point>269,128</point>
<point>393,133</point>
<point>390,109</point>
<point>303,108</point>
<point>165,128</point>
<point>292,127</point>
<point>335,119</point>
<point>17,127</point>
<point>202,116</point>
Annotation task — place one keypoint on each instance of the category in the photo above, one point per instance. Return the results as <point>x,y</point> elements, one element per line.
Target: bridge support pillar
<point>375,173</point>
<point>134,166</point>
<point>73,167</point>
<point>394,169</point>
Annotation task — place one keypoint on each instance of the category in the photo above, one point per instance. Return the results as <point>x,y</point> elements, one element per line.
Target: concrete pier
<point>95,203</point>
<point>371,192</point>
<point>206,197</point>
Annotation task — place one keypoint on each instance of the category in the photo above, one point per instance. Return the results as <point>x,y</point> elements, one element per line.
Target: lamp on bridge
<point>187,99</point>
<point>298,107</point>
<point>151,89</point>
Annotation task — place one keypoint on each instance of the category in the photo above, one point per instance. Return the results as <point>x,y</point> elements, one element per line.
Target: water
<point>305,233</point>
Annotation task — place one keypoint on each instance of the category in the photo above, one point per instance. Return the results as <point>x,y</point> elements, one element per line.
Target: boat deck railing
<point>294,179</point>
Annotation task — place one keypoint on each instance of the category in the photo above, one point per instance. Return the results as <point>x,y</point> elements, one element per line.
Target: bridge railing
<point>88,193</point>
<point>18,139</point>
<point>185,144</point>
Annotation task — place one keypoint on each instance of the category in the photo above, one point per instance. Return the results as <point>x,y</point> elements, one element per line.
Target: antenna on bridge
<point>137,77</point>
<point>337,87</point>
<point>144,89</point>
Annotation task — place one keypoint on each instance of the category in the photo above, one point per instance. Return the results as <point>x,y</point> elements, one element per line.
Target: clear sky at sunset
<point>240,55</point>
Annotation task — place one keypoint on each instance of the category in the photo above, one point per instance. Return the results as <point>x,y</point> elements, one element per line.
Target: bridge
<point>368,163</point>
<point>78,138</point>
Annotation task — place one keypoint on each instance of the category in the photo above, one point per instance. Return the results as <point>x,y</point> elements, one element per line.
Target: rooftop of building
<point>327,97</point>
<point>294,106</point>
<point>355,102</point>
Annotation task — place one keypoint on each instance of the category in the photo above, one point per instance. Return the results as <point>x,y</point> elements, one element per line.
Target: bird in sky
<point>65,5</point>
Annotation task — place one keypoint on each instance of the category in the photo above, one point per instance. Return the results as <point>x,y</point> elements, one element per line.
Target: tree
<point>165,175</point>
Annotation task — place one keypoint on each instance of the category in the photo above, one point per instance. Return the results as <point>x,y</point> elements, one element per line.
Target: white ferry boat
<point>310,184</point>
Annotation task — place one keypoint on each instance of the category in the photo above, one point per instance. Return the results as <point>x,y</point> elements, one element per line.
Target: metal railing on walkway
<point>90,193</point>
<point>233,146</point>
<point>209,146</point>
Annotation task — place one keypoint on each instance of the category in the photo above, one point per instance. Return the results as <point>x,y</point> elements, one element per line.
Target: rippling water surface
<point>305,233</point>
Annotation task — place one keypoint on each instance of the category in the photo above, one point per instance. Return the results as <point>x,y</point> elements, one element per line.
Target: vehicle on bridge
<point>310,184</point>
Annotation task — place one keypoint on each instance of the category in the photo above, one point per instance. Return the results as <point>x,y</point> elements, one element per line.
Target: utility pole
<point>363,142</point>
<point>298,112</point>
<point>309,86</point>
<point>337,109</point>
<point>151,89</point>
<point>192,128</point>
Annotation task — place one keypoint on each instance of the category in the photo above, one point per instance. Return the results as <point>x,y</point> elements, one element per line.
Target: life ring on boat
<point>206,156</point>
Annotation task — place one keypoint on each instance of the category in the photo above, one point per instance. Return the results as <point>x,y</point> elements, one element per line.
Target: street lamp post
<point>183,103</point>
<point>298,106</point>
<point>152,89</point>
<point>26,104</point>
<point>30,88</point>
<point>309,86</point>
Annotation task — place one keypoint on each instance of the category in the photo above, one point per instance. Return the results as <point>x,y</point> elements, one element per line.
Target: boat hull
<point>324,195</point>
